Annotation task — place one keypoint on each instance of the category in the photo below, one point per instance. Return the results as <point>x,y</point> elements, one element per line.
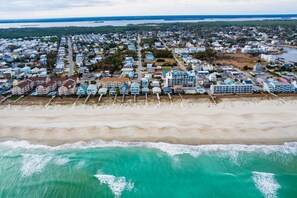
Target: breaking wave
<point>116,184</point>
<point>34,164</point>
<point>266,184</point>
<point>171,149</point>
<point>61,161</point>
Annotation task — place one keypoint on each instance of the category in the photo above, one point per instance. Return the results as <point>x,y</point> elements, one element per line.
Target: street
<point>175,56</point>
<point>70,56</point>
<point>139,58</point>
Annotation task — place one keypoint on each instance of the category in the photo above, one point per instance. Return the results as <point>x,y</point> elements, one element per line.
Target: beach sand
<point>229,122</point>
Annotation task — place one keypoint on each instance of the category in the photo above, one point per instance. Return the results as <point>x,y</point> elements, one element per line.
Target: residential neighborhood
<point>150,62</point>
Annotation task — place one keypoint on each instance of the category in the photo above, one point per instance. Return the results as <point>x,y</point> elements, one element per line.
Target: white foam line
<point>170,149</point>
<point>266,184</point>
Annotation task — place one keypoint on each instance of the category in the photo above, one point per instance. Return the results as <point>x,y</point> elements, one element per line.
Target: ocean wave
<point>33,164</point>
<point>80,164</point>
<point>61,160</point>
<point>36,163</point>
<point>116,184</point>
<point>172,150</point>
<point>266,184</point>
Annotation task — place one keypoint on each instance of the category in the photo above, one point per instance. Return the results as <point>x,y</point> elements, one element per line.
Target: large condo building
<point>236,88</point>
<point>278,87</point>
<point>185,79</point>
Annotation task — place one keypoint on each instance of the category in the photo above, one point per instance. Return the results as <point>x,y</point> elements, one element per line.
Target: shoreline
<point>231,121</point>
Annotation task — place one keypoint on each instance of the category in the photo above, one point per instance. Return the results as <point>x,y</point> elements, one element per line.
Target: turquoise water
<point>101,169</point>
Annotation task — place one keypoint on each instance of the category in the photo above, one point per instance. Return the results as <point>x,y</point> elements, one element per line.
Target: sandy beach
<point>229,122</point>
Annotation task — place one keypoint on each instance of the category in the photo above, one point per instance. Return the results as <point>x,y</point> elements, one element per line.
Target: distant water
<point>101,169</point>
<point>127,20</point>
<point>290,55</point>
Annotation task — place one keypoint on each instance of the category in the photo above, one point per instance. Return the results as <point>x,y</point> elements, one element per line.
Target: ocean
<point>115,169</point>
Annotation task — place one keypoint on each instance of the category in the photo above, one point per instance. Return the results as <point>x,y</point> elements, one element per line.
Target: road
<point>139,58</point>
<point>70,57</point>
<point>175,56</point>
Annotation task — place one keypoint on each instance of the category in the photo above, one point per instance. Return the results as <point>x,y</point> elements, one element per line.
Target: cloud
<point>13,9</point>
<point>35,5</point>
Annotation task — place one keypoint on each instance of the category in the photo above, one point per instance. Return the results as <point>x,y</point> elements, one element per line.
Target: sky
<point>27,9</point>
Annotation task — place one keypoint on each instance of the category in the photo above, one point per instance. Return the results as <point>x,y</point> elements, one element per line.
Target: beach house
<point>113,91</point>
<point>68,87</point>
<point>43,89</point>
<point>144,82</point>
<point>155,83</point>
<point>157,90</point>
<point>135,88</point>
<point>167,90</point>
<point>145,90</point>
<point>81,90</point>
<point>113,82</point>
<point>22,88</point>
<point>53,85</point>
<point>102,91</point>
<point>92,89</point>
<point>124,89</point>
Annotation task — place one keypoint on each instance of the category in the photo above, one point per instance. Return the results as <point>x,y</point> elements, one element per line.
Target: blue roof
<point>248,82</point>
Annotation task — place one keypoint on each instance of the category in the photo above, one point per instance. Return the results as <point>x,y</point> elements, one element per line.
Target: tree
<point>245,67</point>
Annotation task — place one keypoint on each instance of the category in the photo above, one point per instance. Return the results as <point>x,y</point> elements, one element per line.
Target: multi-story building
<point>185,79</point>
<point>144,82</point>
<point>135,88</point>
<point>23,87</point>
<point>278,87</point>
<point>68,87</point>
<point>43,89</point>
<point>236,88</point>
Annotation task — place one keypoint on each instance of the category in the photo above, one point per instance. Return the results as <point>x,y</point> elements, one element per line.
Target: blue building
<point>81,90</point>
<point>149,57</point>
<point>144,82</point>
<point>124,90</point>
<point>135,88</point>
<point>185,79</point>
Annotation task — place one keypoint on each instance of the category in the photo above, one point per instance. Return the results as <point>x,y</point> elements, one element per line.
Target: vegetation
<point>158,53</point>
<point>160,60</point>
<point>60,31</point>
<point>209,55</point>
<point>51,60</point>
<point>113,62</point>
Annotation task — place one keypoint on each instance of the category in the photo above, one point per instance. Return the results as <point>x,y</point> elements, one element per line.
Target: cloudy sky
<point>19,9</point>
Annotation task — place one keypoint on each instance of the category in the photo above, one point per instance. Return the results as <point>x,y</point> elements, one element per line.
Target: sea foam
<point>266,184</point>
<point>116,184</point>
<point>33,164</point>
<point>172,150</point>
<point>61,161</point>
